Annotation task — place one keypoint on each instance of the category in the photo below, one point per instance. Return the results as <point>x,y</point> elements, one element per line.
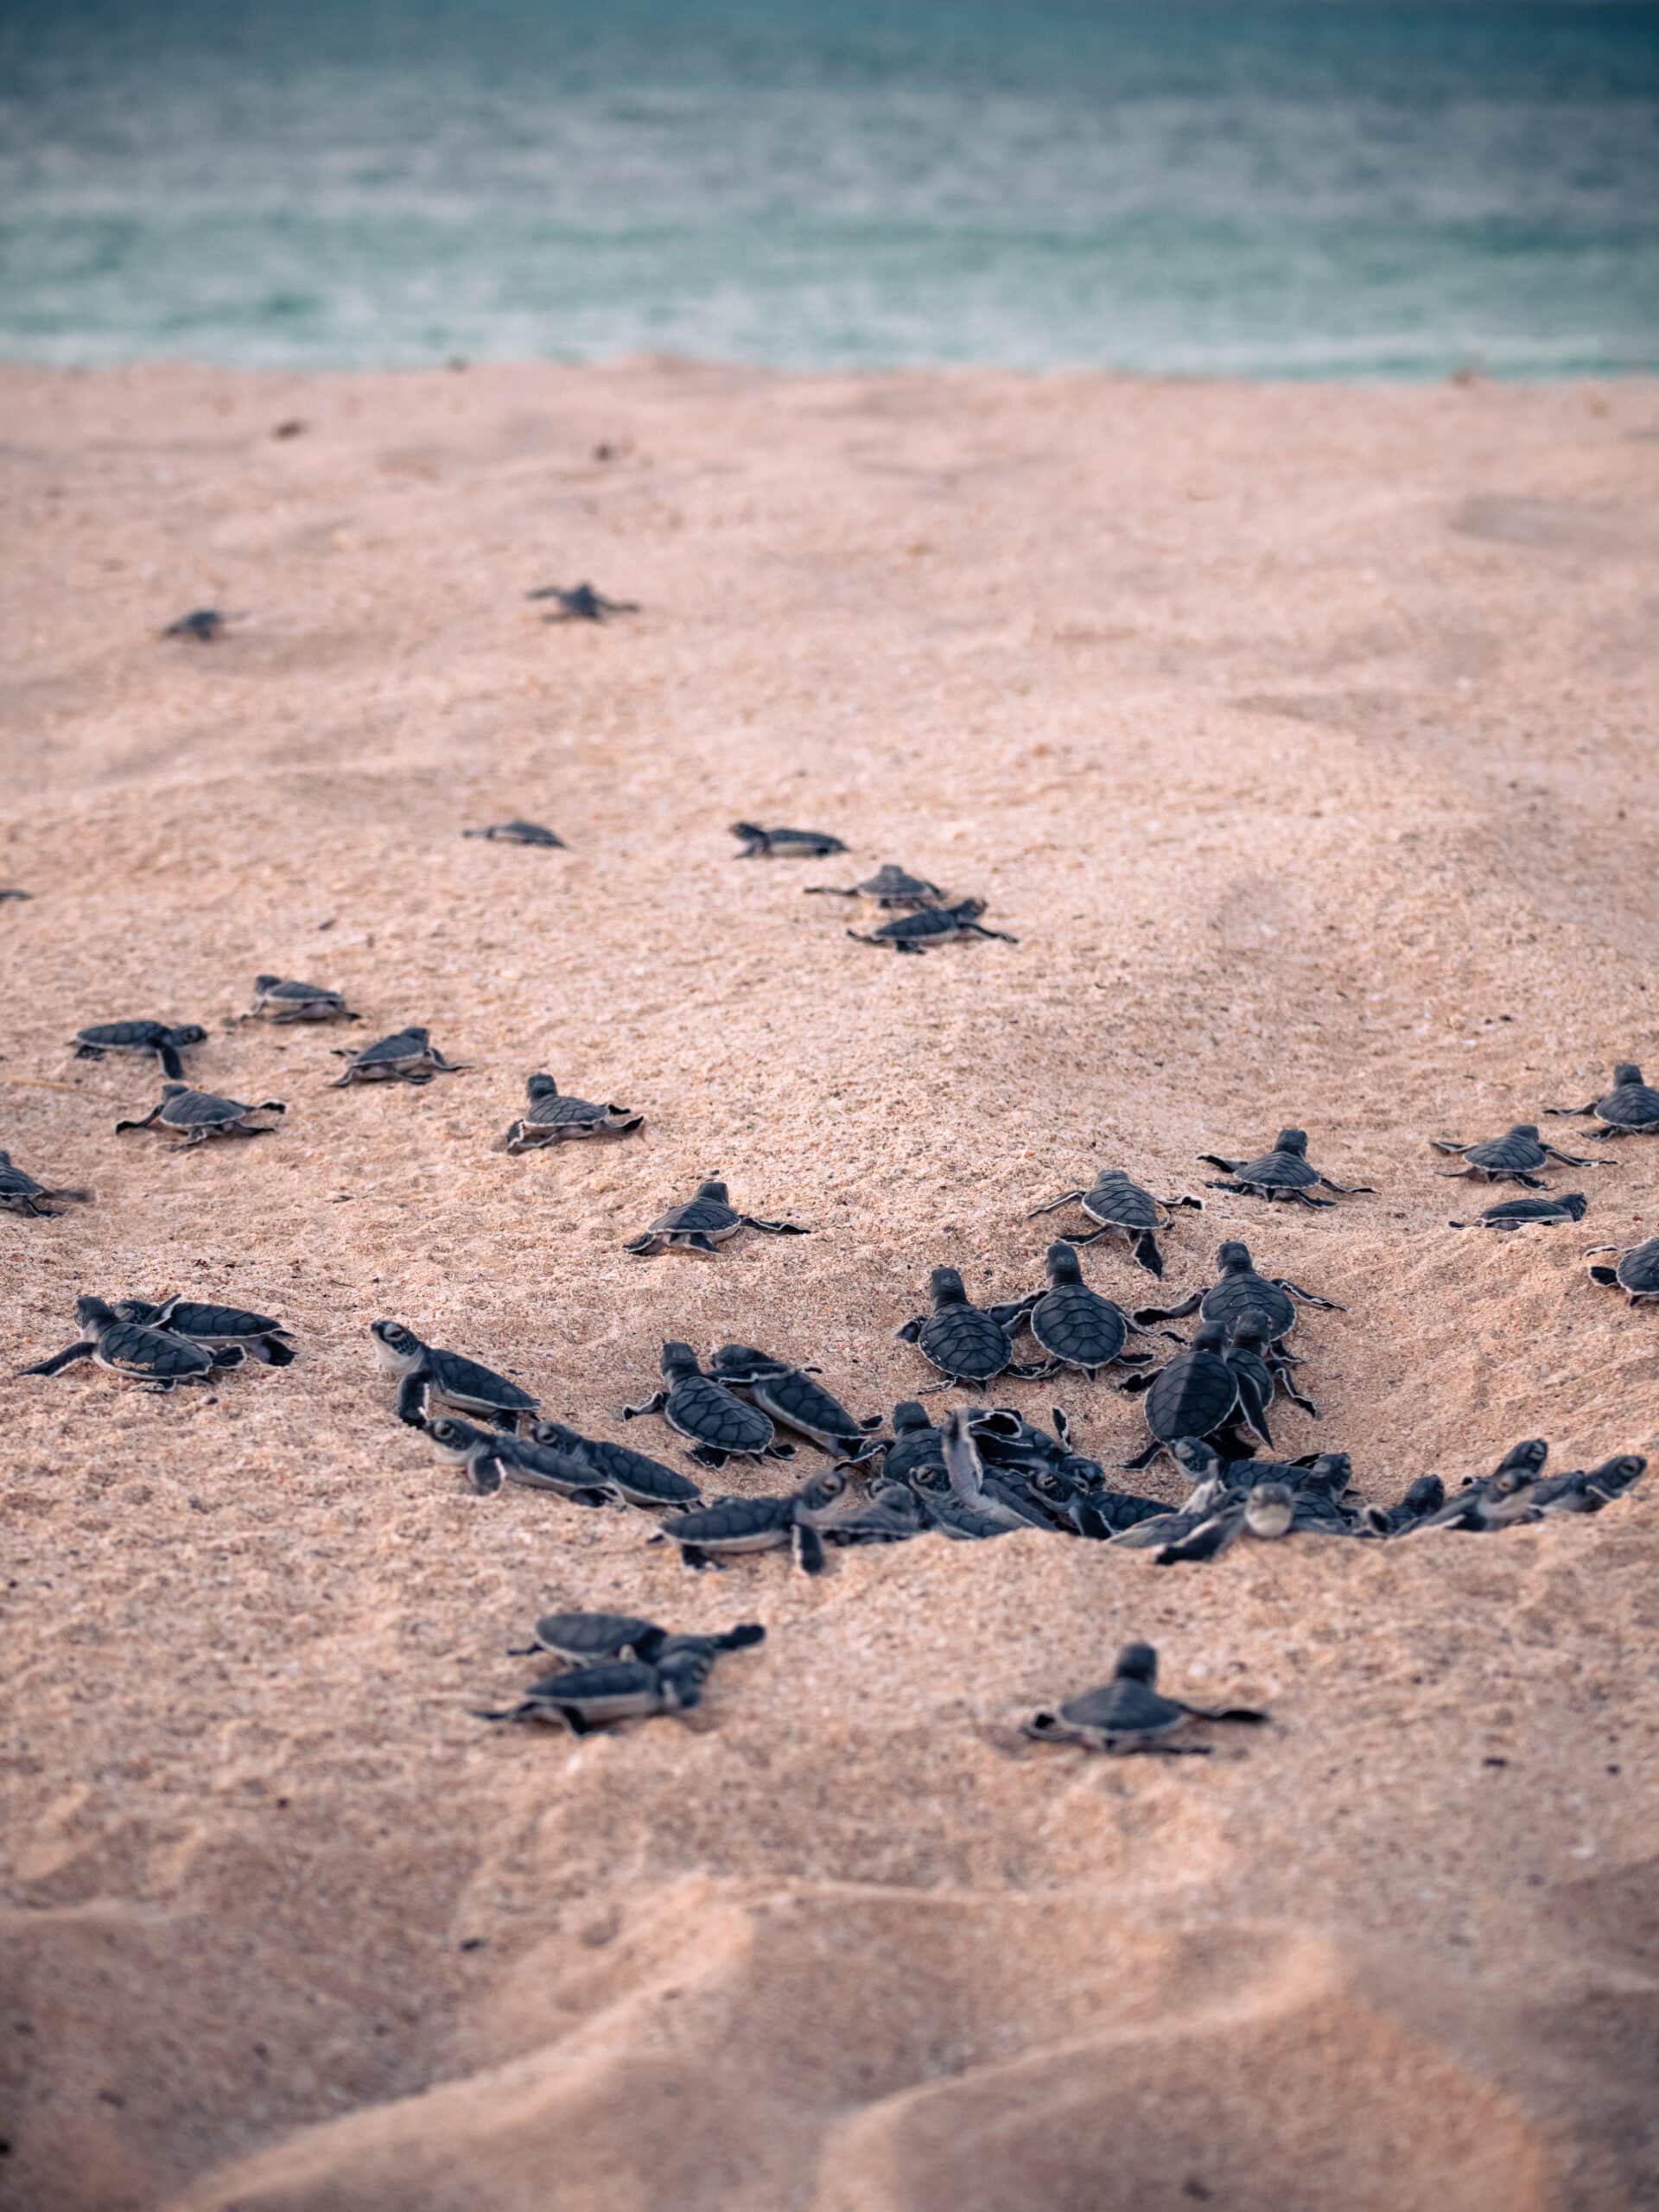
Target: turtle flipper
<point>411,1400</point>
<point>1447,1144</point>
<point>1296,1397</point>
<point>1208,1541</point>
<point>809,1548</point>
<point>1137,1359</point>
<point>1590,1108</point>
<point>84,1350</point>
<point>1186,1199</point>
<point>1607,1275</point>
<point>828,891</point>
<point>1015,1311</point>
<point>1310,1298</point>
<point>708,1455</point>
<point>1091,1236</point>
<point>911,1330</point>
<point>695,1240</point>
<point>1362,1189</point>
<point>486,1474</point>
<point>1215,1159</point>
<point>1307,1198</point>
<point>89,1051</point>
<point>774,1228</point>
<point>1144,1459</point>
<point>654,1404</point>
<point>1143,1316</point>
<point>1571,1159</point>
<point>1252,1403</point>
<point>1533,1183</point>
<point>1065,1199</point>
<point>978,929</point>
<point>172,1065</point>
<point>1245,1713</point>
<point>1239,1190</point>
<point>644,1246</point>
<point>143,1124</point>
<point>1145,1249</point>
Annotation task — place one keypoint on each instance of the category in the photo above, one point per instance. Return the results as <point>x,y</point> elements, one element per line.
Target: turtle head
<point>1136,1662</point>
<point>1573,1205</point>
<point>680,1677</point>
<point>94,1313</point>
<point>456,1440</point>
<point>1252,1327</point>
<point>1211,1337</point>
<point>910,1418</point>
<point>679,1362</point>
<point>556,1434</point>
<point>945,1287</point>
<point>1062,1263</point>
<point>747,829</point>
<point>1112,1175</point>
<point>1199,1461</point>
<point>396,1346</point>
<point>823,1491</point>
<point>187,1032</point>
<point>173,1089</point>
<point>734,1363</point>
<point>968,910</point>
<point>134,1309</point>
<point>1527,1460</point>
<point>541,1086</point>
<point>417,1034</point>
<point>1427,1495</point>
<point>1291,1141</point>
<point>1617,1474</point>
<point>1333,1473</point>
<point>714,1189</point>
<point>1233,1259</point>
<point>1524,1130</point>
<point>1626,1073</point>
<point>263,983</point>
<point>1269,1509</point>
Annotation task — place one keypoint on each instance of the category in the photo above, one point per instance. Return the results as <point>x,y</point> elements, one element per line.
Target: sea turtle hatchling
<point>1516,1213</point>
<point>791,1397</point>
<point>588,1698</point>
<point>1424,1496</point>
<point>914,1453</point>
<point>731,1526</point>
<point>491,1458</point>
<point>165,1039</point>
<point>1266,1511</point>
<point>703,1223</point>
<point>1199,1393</point>
<point>717,1424</point>
<point>1515,1157</point>
<point>893,889</point>
<point>1005,1499</point>
<point>581,603</point>
<point>154,1359</point>
<point>199,1115</point>
<point>1129,1714</point>
<point>964,1341</point>
<point>586,1638</point>
<point>408,1056</point>
<point>766,844</point>
<point>1237,1289</point>
<point>1496,1501</point>
<point>1586,1490</point>
<point>276,999</point>
<point>201,623</point>
<point>1635,1270</point>
<point>1074,1325</point>
<point>260,1336</point>
<point>519,833</point>
<point>1631,1107</point>
<point>636,1479</point>
<point>932,926</point>
<point>1283,1172</point>
<point>1122,1208</point>
<point>554,1117</point>
<point>425,1372</point>
<point>9,890</point>
<point>21,1193</point>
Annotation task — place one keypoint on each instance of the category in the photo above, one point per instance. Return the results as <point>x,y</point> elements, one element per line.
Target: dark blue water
<point>1330,188</point>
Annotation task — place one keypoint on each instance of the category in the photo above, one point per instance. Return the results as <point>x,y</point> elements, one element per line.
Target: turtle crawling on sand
<point>1124,1207</point>
<point>260,1336</point>
<point>703,1223</point>
<point>584,1699</point>
<point>167,1041</point>
<point>731,1526</point>
<point>491,1457</point>
<point>1282,1172</point>
<point>1129,1714</point>
<point>765,844</point>
<point>517,833</point>
<point>1631,1107</point>
<point>277,1000</point>
<point>153,1359</point>
<point>1516,1213</point>
<point>932,926</point>
<point>893,889</point>
<point>1516,1157</point>
<point>581,603</point>
<point>199,1115</point>
<point>1635,1271</point>
<point>21,1193</point>
<point>201,623</point>
<point>423,1371</point>
<point>553,1118</point>
<point>964,1341</point>
<point>408,1056</point>
<point>584,1638</point>
<point>717,1424</point>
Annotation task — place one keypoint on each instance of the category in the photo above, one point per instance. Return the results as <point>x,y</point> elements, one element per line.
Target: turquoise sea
<point>1315,188</point>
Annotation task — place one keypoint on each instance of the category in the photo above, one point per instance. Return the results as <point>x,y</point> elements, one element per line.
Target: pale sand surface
<point>1306,740</point>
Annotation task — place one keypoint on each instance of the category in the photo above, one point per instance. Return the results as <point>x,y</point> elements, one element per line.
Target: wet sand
<point>1306,740</point>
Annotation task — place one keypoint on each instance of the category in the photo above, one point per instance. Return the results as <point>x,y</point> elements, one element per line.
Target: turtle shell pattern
<point>641,1479</point>
<point>559,1112</point>
<point>706,1412</point>
<point>697,1217</point>
<point>217,1324</point>
<point>742,1522</point>
<point>615,1687</point>
<point>598,1636</point>
<point>1124,1707</point>
<point>965,1342</point>
<point>796,1398</point>
<point>199,1109</point>
<point>1632,1106</point>
<point>1192,1396</point>
<point>131,1348</point>
<point>120,1036</point>
<point>392,1051</point>
<point>1507,1151</point>
<point>928,921</point>
<point>464,1383</point>
<point>1116,1202</point>
<point>1076,1325</point>
<point>1638,1270</point>
<point>1237,1294</point>
<point>1279,1171</point>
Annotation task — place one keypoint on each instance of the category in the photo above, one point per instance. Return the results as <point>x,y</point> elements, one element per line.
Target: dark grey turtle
<point>553,1118</point>
<point>277,1000</point>
<point>165,1040</point>
<point>932,926</point>
<point>1129,1714</point>
<point>1516,1213</point>
<point>915,1451</point>
<point>731,1526</point>
<point>1122,1208</point>
<point>1284,1173</point>
<point>10,892</point>
<point>791,1397</point>
<point>1251,1350</point>
<point>717,1425</point>
<point>1513,1158</point>
<point>154,1358</point>
<point>519,833</point>
<point>1239,1289</point>
<point>1105,1514</point>
<point>1075,1326</point>
<point>407,1056</point>
<point>635,1478</point>
<point>1005,1499</point>
<point>21,1193</point>
<point>893,889</point>
<point>1635,1270</point>
<point>199,1115</point>
<point>1266,1511</point>
<point>587,1637</point>
<point>425,1372</point>
<point>704,1221</point>
<point>1587,1489</point>
<point>491,1458</point>
<point>965,1342</point>
<point>1211,1487</point>
<point>942,1510</point>
<point>1630,1108</point>
<point>894,1517</point>
<point>1199,1392</point>
<point>588,1698</point>
<point>260,1336</point>
<point>1425,1497</point>
<point>765,844</point>
<point>1497,1500</point>
<point>581,603</point>
<point>201,623</point>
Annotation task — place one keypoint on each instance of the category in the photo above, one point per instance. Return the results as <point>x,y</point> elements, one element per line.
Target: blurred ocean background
<point>1327,188</point>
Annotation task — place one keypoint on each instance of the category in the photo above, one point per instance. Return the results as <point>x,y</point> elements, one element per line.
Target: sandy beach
<point>1306,738</point>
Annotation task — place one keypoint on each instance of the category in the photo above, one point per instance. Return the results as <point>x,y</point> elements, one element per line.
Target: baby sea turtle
<point>154,1358</point>
<point>581,603</point>
<point>1497,1500</point>
<point>1513,1158</point>
<point>1425,1497</point>
<point>1004,1498</point>
<point>262,1338</point>
<point>1631,1106</point>
<point>914,1452</point>
<point>199,1115</point>
<point>764,844</point>
<point>553,1118</point>
<point>1284,1173</point>
<point>635,1478</point>
<point>409,1056</point>
<point>21,1193</point>
<point>704,1221</point>
<point>9,890</point>
<point>790,1396</point>
<point>1251,1350</point>
<point>275,998</point>
<point>1075,1326</point>
<point>1635,1271</point>
<point>1129,1714</point>
<point>1516,1213</point>
<point>1121,1207</point>
<point>588,1698</point>
<point>734,1525</point>
<point>1199,1393</point>
<point>1239,1289</point>
<point>201,623</point>
<point>585,1637</point>
<point>717,1425</point>
<point>167,1041</point>
<point>423,1371</point>
<point>1265,1511</point>
<point>893,889</point>
<point>966,1343</point>
<point>519,833</point>
<point>932,926</point>
<point>491,1458</point>
<point>1587,1489</point>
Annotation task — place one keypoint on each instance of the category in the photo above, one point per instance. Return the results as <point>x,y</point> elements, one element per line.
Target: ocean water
<point>1314,188</point>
